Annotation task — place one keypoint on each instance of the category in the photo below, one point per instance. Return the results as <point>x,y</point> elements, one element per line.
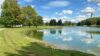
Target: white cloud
<point>57,13</point>
<point>67,11</point>
<point>58,3</point>
<point>46,19</point>
<point>79,18</point>
<point>63,18</point>
<point>28,0</point>
<point>93,1</point>
<point>32,6</point>
<point>98,4</point>
<point>1,2</point>
<point>64,12</point>
<point>53,4</point>
<point>88,10</point>
<point>45,7</point>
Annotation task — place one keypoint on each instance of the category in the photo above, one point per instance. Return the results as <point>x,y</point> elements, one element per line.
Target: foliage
<point>12,15</point>
<point>35,34</point>
<point>53,22</point>
<point>59,23</point>
<point>90,21</point>
<point>68,23</point>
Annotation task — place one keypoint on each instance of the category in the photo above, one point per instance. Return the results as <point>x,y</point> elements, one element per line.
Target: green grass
<point>15,42</point>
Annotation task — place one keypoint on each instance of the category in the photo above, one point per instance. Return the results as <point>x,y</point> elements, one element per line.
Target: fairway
<point>10,41</point>
<point>13,39</point>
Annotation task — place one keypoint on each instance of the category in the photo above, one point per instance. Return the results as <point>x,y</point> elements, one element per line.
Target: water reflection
<point>88,40</point>
<point>93,32</point>
<point>52,31</point>
<point>81,39</point>
<point>35,34</point>
<point>59,31</point>
<point>67,39</point>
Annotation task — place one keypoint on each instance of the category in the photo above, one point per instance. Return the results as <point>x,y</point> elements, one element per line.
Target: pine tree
<point>59,23</point>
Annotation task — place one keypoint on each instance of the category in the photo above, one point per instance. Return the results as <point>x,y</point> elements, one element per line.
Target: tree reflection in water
<point>59,31</point>
<point>53,31</point>
<point>35,34</point>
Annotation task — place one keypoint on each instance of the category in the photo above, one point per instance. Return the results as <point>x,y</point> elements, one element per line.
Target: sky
<point>70,10</point>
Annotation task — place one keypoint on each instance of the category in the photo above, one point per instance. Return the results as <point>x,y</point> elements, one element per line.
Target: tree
<point>53,22</point>
<point>11,13</point>
<point>29,15</point>
<point>90,21</point>
<point>98,21</point>
<point>59,23</point>
<point>69,23</point>
<point>39,20</point>
<point>47,23</point>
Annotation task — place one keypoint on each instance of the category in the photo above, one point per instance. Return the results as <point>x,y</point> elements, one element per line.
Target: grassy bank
<point>14,42</point>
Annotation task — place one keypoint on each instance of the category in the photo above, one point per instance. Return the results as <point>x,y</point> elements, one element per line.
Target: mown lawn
<point>14,42</point>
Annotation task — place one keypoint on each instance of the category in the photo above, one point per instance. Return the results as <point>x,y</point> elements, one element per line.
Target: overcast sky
<point>71,10</point>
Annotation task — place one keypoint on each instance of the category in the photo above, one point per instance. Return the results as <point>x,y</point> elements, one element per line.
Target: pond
<point>85,39</point>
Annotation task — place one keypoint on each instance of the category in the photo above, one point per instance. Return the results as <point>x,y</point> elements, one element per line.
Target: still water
<point>85,39</point>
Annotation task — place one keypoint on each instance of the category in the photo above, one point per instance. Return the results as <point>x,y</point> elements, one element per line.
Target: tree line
<point>15,16</point>
<point>90,21</point>
<point>53,22</point>
<point>12,15</point>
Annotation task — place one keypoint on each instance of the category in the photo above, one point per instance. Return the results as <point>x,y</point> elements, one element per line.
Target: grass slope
<point>14,42</point>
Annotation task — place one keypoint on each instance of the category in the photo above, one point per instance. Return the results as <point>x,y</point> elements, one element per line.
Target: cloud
<point>1,2</point>
<point>63,18</point>
<point>32,6</point>
<point>98,4</point>
<point>88,10</point>
<point>56,13</point>
<point>67,11</point>
<point>46,19</point>
<point>93,1</point>
<point>28,0</point>
<point>60,14</point>
<point>58,3</point>
<point>78,18</point>
<point>64,12</point>
<point>45,7</point>
<point>66,18</point>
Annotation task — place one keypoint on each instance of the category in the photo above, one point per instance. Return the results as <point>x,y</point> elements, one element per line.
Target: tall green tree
<point>31,17</point>
<point>53,22</point>
<point>11,13</point>
<point>59,23</point>
<point>39,20</point>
